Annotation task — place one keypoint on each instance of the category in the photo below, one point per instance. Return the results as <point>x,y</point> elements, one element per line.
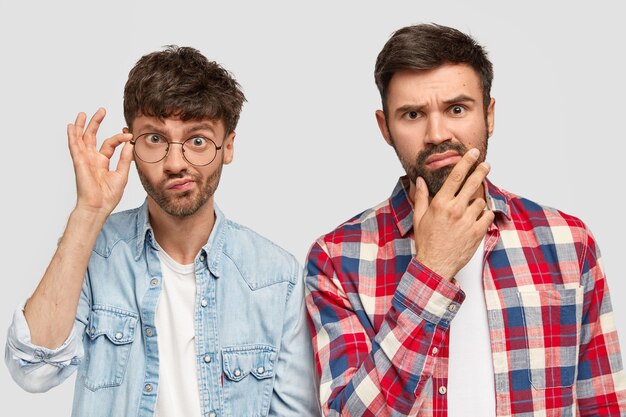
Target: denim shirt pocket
<point>552,322</point>
<point>248,379</point>
<point>110,334</point>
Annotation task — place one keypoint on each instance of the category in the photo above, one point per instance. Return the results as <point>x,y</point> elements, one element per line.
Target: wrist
<point>442,270</point>
<point>89,215</point>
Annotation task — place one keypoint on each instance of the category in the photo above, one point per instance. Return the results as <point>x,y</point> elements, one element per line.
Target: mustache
<point>424,154</point>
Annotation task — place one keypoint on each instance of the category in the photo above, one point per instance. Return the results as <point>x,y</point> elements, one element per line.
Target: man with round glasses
<point>169,309</point>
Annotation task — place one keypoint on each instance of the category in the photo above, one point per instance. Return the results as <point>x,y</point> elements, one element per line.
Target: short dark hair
<point>429,46</point>
<point>181,82</point>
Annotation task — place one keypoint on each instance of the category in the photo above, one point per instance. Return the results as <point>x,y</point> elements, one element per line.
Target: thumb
<point>421,201</point>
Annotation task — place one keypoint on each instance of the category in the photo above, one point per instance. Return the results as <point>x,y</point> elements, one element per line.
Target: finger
<point>74,135</point>
<point>452,184</point>
<point>108,146</point>
<point>123,165</point>
<point>474,182</point>
<point>421,201</point>
<point>93,126</point>
<point>80,120</point>
<point>71,139</point>
<point>476,208</point>
<point>76,147</point>
<point>75,130</point>
<point>79,125</point>
<point>485,220</point>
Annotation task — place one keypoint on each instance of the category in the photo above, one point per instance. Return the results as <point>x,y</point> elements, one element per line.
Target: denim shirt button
<point>119,335</point>
<point>212,414</point>
<point>148,387</point>
<point>237,372</point>
<point>148,332</point>
<point>202,258</point>
<point>207,358</point>
<point>260,369</point>
<point>154,282</point>
<point>204,302</point>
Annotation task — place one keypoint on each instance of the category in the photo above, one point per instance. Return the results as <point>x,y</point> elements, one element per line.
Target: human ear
<point>382,125</point>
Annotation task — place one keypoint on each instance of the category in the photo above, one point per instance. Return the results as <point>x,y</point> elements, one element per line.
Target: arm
<point>601,381</point>
<point>294,386</point>
<point>385,372</point>
<point>44,332</point>
<point>361,373</point>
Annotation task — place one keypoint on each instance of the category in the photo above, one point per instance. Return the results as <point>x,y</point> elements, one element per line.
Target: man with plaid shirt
<point>454,297</point>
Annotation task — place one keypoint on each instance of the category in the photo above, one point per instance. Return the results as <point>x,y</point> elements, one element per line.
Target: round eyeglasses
<point>154,147</point>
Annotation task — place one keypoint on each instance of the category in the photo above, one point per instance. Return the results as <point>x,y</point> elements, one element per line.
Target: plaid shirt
<point>380,319</point>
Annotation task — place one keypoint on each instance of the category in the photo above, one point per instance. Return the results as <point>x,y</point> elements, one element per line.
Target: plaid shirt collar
<point>402,207</point>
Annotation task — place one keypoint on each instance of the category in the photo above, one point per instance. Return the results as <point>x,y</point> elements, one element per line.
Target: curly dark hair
<point>181,82</point>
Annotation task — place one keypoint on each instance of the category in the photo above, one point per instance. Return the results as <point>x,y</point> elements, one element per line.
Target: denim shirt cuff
<point>21,347</point>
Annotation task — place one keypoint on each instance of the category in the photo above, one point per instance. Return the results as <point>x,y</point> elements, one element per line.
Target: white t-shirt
<point>471,390</point>
<point>179,394</point>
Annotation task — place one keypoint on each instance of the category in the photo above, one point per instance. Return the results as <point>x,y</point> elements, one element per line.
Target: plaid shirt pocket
<point>552,321</point>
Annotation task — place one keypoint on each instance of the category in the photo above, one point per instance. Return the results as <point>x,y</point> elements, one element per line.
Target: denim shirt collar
<point>402,207</point>
<point>212,250</point>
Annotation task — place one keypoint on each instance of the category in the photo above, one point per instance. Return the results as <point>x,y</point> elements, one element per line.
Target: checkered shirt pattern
<point>380,319</point>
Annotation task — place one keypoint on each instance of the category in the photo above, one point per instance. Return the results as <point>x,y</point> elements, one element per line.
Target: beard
<point>183,204</point>
<point>435,178</point>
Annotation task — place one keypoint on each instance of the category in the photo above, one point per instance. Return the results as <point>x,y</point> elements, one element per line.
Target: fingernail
<point>474,152</point>
<point>418,183</point>
<point>487,165</point>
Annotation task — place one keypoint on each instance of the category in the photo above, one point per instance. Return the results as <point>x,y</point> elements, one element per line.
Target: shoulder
<point>548,224</point>
<point>369,226</point>
<point>123,226</point>
<point>523,208</point>
<point>257,256</point>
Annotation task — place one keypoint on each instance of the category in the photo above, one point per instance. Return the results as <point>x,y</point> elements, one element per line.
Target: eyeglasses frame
<point>182,145</point>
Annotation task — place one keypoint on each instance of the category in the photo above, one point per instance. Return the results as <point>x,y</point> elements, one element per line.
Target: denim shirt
<point>253,346</point>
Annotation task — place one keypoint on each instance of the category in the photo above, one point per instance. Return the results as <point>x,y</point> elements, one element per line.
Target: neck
<point>182,237</point>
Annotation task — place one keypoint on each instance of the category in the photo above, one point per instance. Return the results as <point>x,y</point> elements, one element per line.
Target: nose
<point>174,161</point>
<point>437,130</point>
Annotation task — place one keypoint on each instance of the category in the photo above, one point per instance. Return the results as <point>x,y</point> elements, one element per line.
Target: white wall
<point>308,151</point>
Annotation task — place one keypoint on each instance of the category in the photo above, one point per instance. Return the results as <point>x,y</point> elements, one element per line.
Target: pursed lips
<point>182,184</point>
<point>440,160</point>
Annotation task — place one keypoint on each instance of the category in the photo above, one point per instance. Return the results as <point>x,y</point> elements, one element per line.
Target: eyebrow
<point>201,126</point>
<point>460,99</point>
<point>149,128</point>
<point>418,107</point>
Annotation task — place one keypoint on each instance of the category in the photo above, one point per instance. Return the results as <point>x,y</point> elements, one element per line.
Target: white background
<point>308,154</point>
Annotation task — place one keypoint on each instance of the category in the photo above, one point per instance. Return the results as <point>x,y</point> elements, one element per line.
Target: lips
<point>182,184</point>
<point>443,159</point>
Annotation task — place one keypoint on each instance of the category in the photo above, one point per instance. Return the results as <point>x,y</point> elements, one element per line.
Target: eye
<point>197,143</point>
<point>154,139</point>
<point>457,110</point>
<point>411,115</point>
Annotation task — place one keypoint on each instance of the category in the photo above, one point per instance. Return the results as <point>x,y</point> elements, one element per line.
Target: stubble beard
<point>184,204</point>
<point>435,178</point>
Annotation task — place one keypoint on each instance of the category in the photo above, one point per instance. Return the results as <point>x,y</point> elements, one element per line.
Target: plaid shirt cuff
<point>427,294</point>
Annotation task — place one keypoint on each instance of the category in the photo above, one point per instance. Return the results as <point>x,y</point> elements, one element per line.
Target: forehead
<point>442,83</point>
<point>175,125</point>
